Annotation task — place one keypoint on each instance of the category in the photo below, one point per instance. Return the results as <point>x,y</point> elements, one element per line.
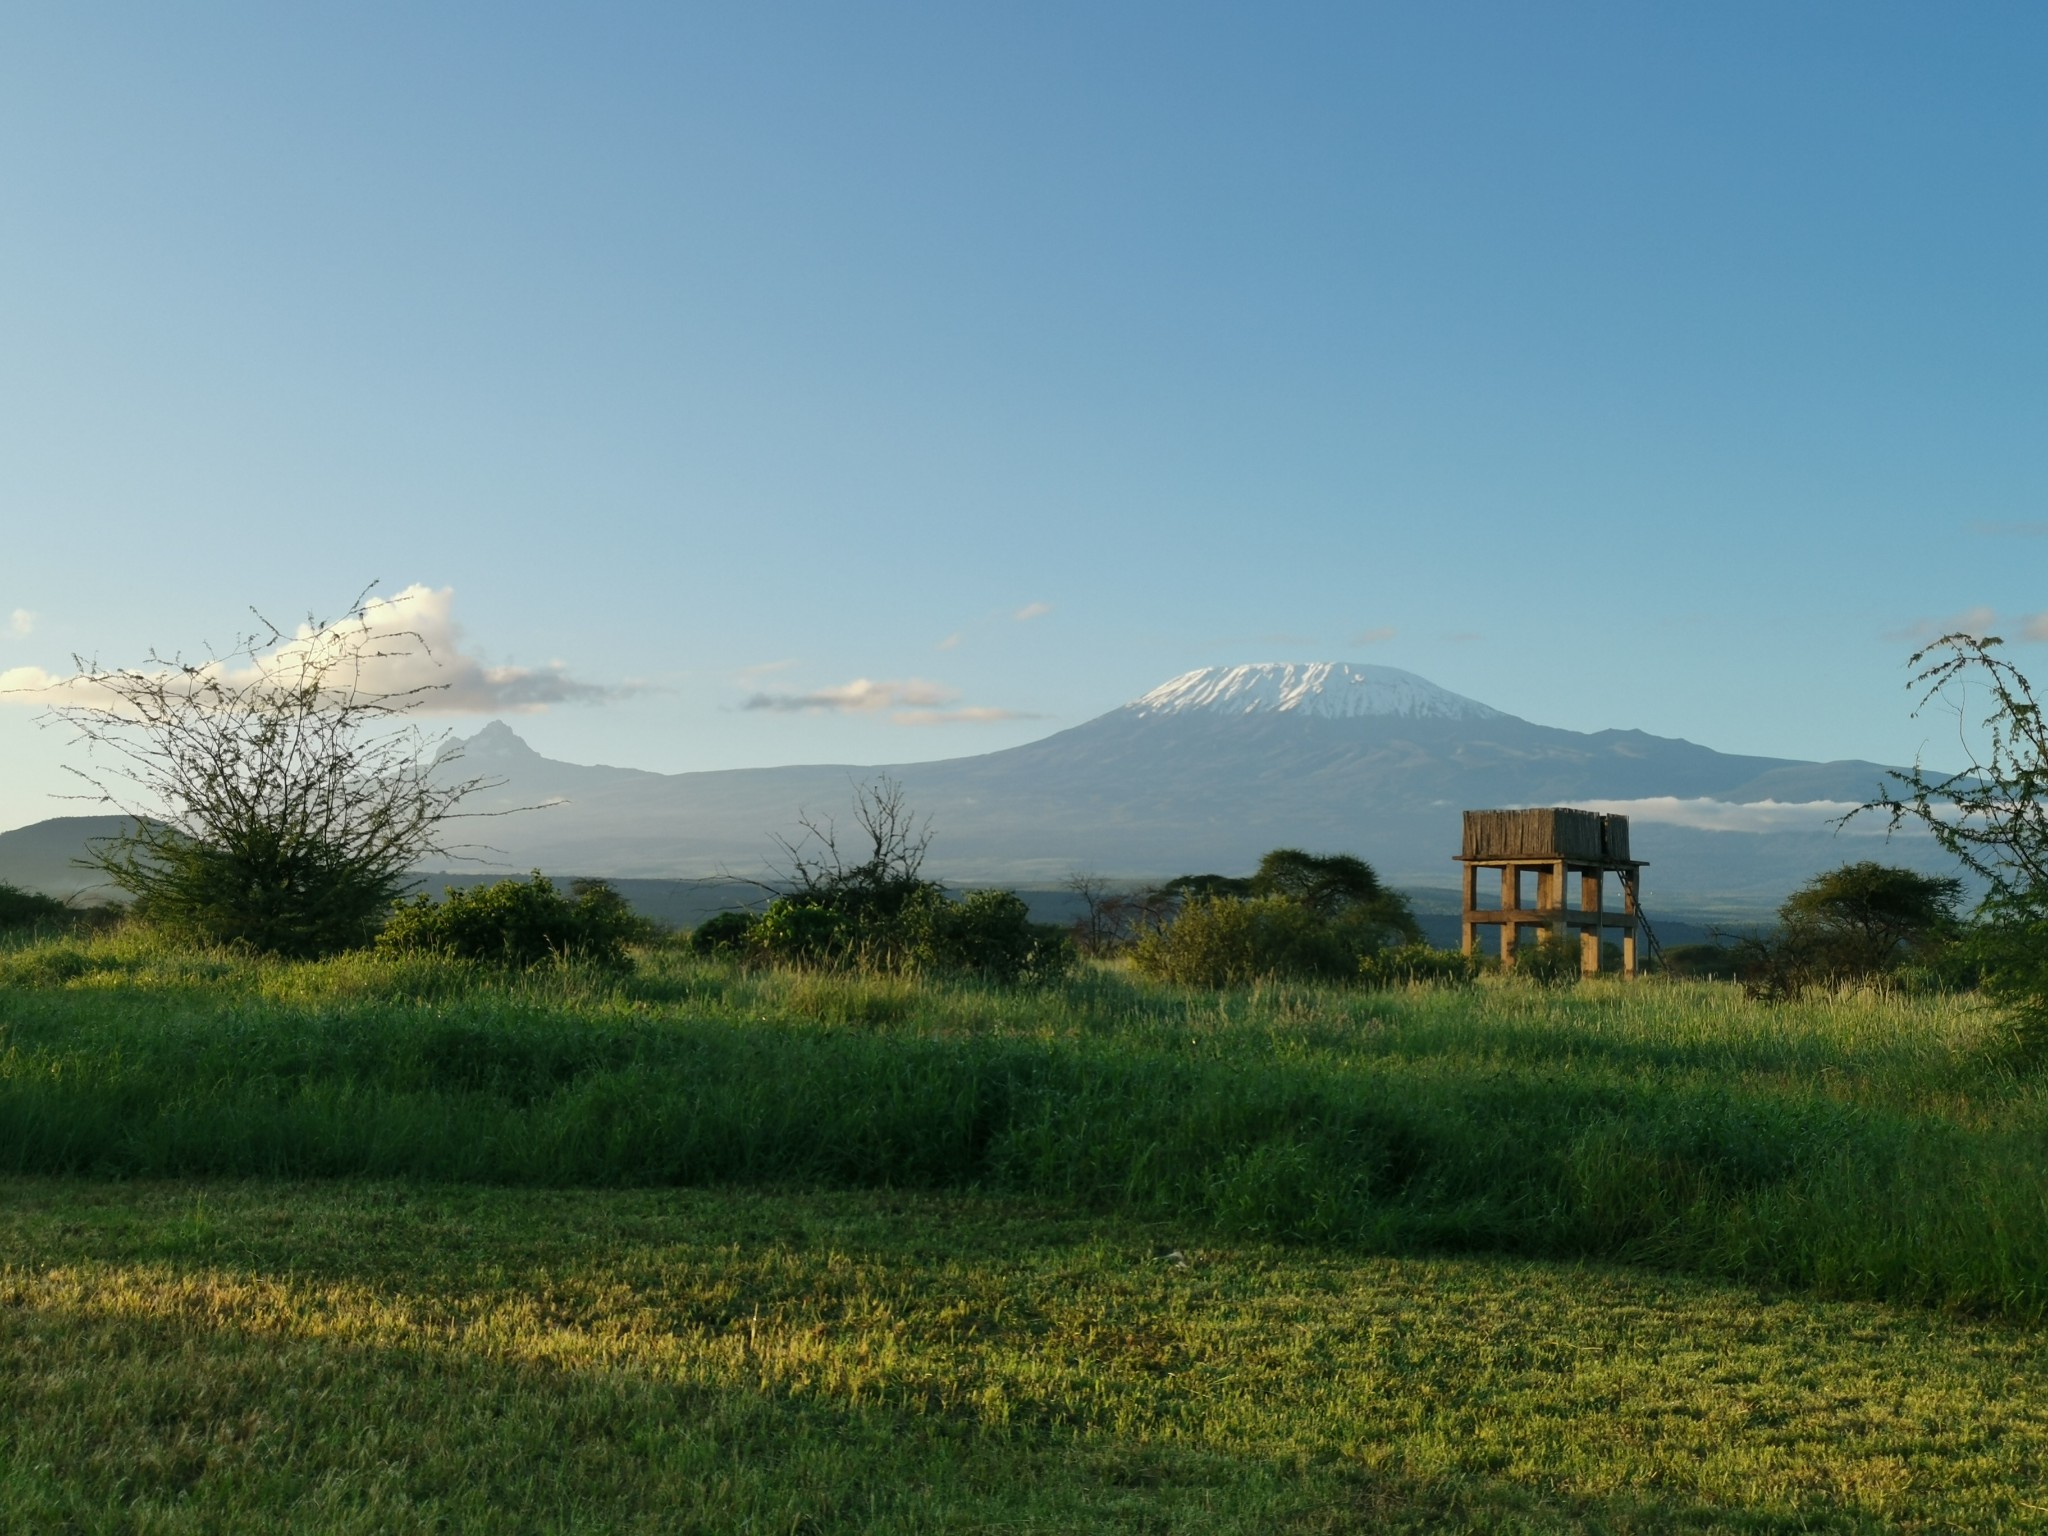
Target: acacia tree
<point>1992,814</point>
<point>278,797</point>
<point>1866,918</point>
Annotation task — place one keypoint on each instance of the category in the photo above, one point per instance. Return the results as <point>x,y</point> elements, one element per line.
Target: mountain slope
<point>1207,771</point>
<point>1211,770</point>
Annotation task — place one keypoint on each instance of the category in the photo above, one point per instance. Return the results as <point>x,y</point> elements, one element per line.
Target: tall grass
<point>1852,1146</point>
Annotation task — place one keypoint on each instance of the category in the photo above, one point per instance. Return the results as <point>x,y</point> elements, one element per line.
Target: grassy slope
<point>349,1357</point>
<point>1857,1148</point>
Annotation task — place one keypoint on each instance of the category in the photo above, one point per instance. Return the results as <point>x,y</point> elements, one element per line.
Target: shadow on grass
<point>251,1358</point>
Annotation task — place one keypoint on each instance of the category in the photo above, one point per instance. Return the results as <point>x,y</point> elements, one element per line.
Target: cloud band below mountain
<point>1708,815</point>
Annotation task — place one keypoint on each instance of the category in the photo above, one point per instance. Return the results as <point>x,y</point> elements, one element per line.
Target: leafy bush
<point>1552,964</point>
<point>297,897</point>
<point>1299,916</point>
<point>728,933</point>
<point>990,934</point>
<point>2008,954</point>
<point>1339,888</point>
<point>1226,941</point>
<point>1413,963</point>
<point>794,931</point>
<point>29,909</point>
<point>519,922</point>
<point>1701,961</point>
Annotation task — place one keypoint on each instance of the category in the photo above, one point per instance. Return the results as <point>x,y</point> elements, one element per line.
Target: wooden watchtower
<point>1554,845</point>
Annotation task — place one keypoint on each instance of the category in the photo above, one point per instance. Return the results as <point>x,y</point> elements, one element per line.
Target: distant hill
<point>1207,772</point>
<point>1211,770</point>
<point>41,857</point>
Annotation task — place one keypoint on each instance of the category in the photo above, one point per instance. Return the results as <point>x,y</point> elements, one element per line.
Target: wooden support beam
<point>1471,900</point>
<point>1568,917</point>
<point>1592,898</point>
<point>1630,885</point>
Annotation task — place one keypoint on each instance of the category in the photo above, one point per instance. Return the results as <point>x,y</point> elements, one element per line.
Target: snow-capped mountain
<point>1207,772</point>
<point>1330,690</point>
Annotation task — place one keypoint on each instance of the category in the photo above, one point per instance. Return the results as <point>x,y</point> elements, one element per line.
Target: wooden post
<point>1471,901</point>
<point>1628,934</point>
<point>1591,899</point>
<point>1553,901</point>
<point>1510,903</point>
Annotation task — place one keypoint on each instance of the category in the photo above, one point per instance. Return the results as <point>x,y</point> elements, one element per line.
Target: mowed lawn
<point>350,1356</point>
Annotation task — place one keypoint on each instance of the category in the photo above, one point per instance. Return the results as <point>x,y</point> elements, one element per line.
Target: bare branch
<point>1993,814</point>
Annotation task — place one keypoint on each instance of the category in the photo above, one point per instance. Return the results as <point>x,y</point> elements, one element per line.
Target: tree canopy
<point>1866,917</point>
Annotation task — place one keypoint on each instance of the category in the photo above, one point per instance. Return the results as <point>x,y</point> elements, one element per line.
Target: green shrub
<point>29,909</point>
<point>1227,941</point>
<point>2007,951</point>
<point>728,933</point>
<point>519,922</point>
<point>797,932</point>
<point>299,897</point>
<point>1552,964</point>
<point>1339,888</point>
<point>990,934</point>
<point>1702,960</point>
<point>1413,963</point>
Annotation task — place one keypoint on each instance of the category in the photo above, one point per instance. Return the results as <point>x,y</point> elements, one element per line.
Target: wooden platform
<point>1553,844</point>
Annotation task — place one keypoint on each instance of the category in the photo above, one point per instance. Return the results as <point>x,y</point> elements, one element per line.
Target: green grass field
<point>397,1245</point>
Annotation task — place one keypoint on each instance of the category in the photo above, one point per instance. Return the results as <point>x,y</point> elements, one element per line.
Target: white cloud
<point>1031,611</point>
<point>951,642</point>
<point>862,696</point>
<point>1709,815</point>
<point>1378,636</point>
<point>1978,621</point>
<point>21,621</point>
<point>913,701</point>
<point>410,644</point>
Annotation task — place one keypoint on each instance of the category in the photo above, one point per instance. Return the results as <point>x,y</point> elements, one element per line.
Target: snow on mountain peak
<point>1332,690</point>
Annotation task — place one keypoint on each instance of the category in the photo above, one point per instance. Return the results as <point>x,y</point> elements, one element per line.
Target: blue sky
<point>1616,365</point>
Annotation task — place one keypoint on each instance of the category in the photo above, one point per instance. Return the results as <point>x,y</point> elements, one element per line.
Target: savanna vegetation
<point>885,1208</point>
<point>400,1240</point>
